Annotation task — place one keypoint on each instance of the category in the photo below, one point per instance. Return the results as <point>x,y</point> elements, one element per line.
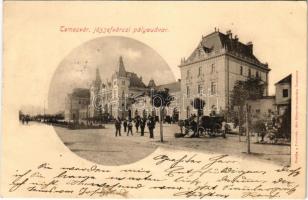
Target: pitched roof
<point>134,80</point>
<point>151,83</point>
<point>287,79</point>
<point>173,87</point>
<point>217,40</point>
<point>122,71</point>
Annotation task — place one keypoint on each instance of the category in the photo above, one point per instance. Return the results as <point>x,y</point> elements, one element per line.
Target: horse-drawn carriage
<point>212,126</point>
<point>208,125</point>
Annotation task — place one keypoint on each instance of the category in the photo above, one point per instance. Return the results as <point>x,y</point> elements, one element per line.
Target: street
<point>102,147</point>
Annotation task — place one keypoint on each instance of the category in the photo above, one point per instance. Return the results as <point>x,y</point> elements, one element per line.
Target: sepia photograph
<point>184,99</point>
<point>113,100</point>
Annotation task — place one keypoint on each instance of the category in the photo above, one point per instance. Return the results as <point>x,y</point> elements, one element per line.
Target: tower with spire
<point>97,82</point>
<point>121,83</point>
<point>95,95</point>
<point>121,71</point>
<point>116,93</point>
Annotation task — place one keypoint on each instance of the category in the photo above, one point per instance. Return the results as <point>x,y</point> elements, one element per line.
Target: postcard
<point>154,99</point>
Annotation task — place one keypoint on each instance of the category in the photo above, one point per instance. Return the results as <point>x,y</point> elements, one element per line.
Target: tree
<point>161,99</point>
<point>250,89</point>
<point>198,104</point>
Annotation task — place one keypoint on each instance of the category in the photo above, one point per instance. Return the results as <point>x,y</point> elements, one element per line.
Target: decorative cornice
<point>259,65</point>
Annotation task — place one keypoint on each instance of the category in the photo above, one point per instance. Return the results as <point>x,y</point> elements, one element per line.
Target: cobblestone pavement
<point>101,145</point>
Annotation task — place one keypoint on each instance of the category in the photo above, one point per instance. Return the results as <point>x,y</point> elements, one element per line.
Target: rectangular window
<point>258,111</point>
<point>285,93</point>
<point>249,73</point>
<point>199,71</point>
<point>213,88</point>
<point>257,74</point>
<point>187,91</point>
<point>241,70</point>
<point>213,68</point>
<point>200,89</point>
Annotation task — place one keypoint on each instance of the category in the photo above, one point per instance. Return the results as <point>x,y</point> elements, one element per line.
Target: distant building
<point>268,106</point>
<point>264,108</point>
<point>77,105</point>
<point>283,94</point>
<point>143,107</point>
<point>212,69</point>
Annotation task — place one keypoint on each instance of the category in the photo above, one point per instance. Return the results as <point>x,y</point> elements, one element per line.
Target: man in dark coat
<point>137,123</point>
<point>130,127</point>
<point>125,124</point>
<point>142,126</point>
<point>151,126</point>
<point>118,127</point>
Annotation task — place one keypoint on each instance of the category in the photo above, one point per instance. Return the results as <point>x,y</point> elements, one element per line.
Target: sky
<point>33,55</point>
<point>78,69</point>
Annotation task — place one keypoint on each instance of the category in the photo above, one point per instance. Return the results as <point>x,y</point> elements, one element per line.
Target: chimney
<point>140,78</point>
<point>229,34</point>
<point>236,38</point>
<point>250,47</point>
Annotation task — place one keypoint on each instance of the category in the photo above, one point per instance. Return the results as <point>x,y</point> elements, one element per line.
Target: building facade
<point>77,105</point>
<point>263,108</point>
<point>123,94</point>
<point>283,94</point>
<point>213,68</point>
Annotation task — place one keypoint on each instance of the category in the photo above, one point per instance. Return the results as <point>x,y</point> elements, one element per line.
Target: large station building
<point>212,69</point>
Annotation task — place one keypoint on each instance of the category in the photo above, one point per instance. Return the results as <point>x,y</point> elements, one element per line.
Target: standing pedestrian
<point>142,126</point>
<point>151,126</point>
<point>130,127</point>
<point>118,127</point>
<point>137,123</point>
<point>125,125</point>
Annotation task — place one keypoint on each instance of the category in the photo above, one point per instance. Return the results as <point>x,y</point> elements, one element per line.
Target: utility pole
<point>247,131</point>
<point>44,112</point>
<point>239,123</point>
<point>161,123</point>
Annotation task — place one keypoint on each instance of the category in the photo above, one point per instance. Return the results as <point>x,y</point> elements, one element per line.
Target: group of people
<point>25,119</point>
<point>138,122</point>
